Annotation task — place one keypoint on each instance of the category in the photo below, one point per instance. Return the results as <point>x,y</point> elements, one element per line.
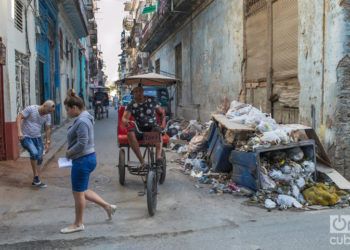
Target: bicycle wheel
<point>107,112</point>
<point>98,113</point>
<point>152,190</point>
<point>121,167</point>
<point>163,173</point>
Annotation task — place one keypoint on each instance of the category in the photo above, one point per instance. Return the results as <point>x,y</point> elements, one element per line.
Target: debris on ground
<point>284,178</point>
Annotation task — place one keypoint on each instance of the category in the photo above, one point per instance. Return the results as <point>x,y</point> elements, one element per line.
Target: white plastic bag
<point>270,137</point>
<point>296,154</point>
<point>309,167</point>
<point>300,182</point>
<point>266,182</point>
<point>182,149</point>
<point>288,201</point>
<point>269,204</point>
<point>285,139</point>
<point>278,176</point>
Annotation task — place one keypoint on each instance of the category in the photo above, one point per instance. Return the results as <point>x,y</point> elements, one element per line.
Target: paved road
<point>187,217</point>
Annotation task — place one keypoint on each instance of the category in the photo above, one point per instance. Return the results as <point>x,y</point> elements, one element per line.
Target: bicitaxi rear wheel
<point>121,167</point>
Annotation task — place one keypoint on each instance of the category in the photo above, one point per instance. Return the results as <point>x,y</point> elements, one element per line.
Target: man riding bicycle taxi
<point>144,109</point>
<point>100,99</point>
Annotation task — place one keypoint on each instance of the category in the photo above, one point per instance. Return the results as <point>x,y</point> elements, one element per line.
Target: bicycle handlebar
<point>140,132</point>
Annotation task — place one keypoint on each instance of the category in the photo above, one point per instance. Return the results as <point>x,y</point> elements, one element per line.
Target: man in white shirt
<point>29,125</point>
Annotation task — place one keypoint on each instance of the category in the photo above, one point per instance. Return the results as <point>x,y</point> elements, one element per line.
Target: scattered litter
<point>286,201</point>
<point>269,204</point>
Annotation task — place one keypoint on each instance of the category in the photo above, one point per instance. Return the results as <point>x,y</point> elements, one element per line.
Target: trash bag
<point>278,176</point>
<point>182,149</point>
<point>270,137</point>
<point>300,182</point>
<point>266,182</point>
<point>265,126</point>
<point>295,154</point>
<point>172,131</point>
<point>297,170</point>
<point>285,139</point>
<point>200,165</point>
<point>286,201</point>
<point>286,169</point>
<point>197,143</point>
<point>269,204</point>
<point>321,194</point>
<point>309,167</point>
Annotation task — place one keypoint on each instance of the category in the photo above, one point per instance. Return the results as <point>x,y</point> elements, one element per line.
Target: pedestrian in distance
<point>115,102</point>
<point>81,150</point>
<point>29,125</point>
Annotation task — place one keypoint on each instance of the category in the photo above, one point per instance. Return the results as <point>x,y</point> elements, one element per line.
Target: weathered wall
<point>324,74</point>
<point>310,62</point>
<point>66,70</point>
<point>16,40</point>
<point>212,54</point>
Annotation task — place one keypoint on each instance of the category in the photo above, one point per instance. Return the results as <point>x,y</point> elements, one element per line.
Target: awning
<point>151,79</point>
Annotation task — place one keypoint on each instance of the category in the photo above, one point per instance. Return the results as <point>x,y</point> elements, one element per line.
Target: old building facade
<point>287,57</point>
<point>47,47</point>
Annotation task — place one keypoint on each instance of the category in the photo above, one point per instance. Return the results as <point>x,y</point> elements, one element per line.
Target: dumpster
<point>246,165</point>
<point>220,153</point>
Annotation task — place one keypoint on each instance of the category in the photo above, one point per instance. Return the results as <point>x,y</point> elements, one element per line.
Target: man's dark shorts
<point>35,148</point>
<point>139,136</point>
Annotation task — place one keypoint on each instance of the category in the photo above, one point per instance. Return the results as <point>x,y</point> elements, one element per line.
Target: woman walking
<point>82,152</point>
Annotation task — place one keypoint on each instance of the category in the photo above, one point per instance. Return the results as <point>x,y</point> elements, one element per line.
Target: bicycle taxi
<point>100,101</point>
<point>151,174</point>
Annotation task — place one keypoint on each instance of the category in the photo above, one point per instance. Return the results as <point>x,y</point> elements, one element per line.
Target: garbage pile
<point>283,174</point>
<point>286,177</point>
<point>191,132</point>
<point>267,131</point>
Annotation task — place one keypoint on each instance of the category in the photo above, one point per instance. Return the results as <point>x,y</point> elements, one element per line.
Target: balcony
<point>171,14</point>
<point>128,23</point>
<point>76,13</point>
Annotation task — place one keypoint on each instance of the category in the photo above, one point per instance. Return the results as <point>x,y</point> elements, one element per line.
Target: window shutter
<point>19,15</point>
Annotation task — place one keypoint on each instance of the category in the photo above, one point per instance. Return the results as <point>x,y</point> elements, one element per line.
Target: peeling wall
<point>324,74</point>
<point>310,60</point>
<point>212,54</point>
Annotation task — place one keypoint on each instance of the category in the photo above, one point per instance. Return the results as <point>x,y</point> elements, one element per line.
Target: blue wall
<point>48,14</point>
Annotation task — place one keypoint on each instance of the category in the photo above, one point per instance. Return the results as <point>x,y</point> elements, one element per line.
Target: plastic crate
<point>220,154</point>
<point>246,165</point>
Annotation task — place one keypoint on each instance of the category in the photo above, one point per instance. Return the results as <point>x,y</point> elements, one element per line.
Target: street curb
<point>47,160</point>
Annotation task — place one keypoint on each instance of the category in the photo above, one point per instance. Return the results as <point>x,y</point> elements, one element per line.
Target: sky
<point>109,26</point>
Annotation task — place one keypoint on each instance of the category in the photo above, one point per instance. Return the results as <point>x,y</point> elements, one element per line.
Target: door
<point>2,118</point>
<point>271,51</point>
<point>41,84</point>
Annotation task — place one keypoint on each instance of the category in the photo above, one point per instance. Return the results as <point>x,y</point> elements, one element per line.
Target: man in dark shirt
<point>144,110</point>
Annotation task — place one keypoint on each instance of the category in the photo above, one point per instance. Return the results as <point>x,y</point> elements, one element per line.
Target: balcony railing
<point>171,14</point>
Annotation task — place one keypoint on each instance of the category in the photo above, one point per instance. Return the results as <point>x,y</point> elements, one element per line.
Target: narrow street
<point>187,217</point>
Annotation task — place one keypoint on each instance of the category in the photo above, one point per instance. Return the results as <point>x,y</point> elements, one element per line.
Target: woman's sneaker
<point>37,183</point>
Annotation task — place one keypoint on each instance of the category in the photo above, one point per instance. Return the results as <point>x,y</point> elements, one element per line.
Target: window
<point>158,66</point>
<point>18,15</point>
<point>71,55</point>
<point>67,49</point>
<point>178,71</point>
<point>61,43</point>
